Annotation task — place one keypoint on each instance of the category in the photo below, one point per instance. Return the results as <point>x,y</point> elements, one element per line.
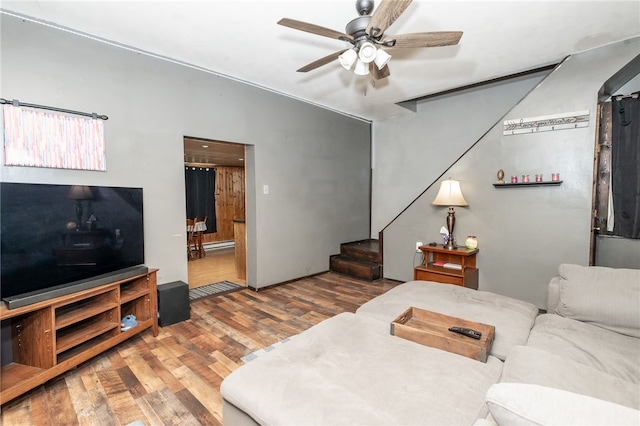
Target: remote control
<point>467,332</point>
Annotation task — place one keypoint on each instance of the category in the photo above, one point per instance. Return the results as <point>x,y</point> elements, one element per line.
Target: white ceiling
<point>240,39</point>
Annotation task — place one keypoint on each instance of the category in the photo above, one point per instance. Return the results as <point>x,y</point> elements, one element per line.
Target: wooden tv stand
<point>51,337</point>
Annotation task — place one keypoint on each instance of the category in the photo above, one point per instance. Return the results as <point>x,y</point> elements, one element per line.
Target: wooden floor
<point>217,265</point>
<point>174,379</point>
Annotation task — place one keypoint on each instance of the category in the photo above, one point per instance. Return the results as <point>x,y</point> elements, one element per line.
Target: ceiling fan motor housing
<point>357,27</point>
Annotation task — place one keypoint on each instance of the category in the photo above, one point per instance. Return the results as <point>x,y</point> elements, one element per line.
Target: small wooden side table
<point>438,266</point>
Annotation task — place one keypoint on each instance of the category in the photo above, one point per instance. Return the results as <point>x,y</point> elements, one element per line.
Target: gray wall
<point>617,252</point>
<point>316,162</point>
<point>410,152</point>
<point>523,233</point>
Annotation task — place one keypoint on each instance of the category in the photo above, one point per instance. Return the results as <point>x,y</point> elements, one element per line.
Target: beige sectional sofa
<point>585,352</point>
<point>583,356</point>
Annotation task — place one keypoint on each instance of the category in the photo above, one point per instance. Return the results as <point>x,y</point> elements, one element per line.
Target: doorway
<point>609,246</point>
<point>223,258</point>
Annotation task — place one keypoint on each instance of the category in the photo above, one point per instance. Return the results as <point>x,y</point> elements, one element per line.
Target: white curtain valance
<point>41,139</point>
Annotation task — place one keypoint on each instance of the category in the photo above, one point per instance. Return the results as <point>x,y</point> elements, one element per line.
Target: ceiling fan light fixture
<point>362,68</point>
<point>382,59</point>
<point>367,52</point>
<point>366,35</point>
<point>348,58</point>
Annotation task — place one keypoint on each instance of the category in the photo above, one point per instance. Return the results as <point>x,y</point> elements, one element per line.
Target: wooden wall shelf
<point>512,185</point>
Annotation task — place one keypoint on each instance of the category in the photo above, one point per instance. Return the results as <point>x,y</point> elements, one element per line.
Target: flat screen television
<point>58,239</point>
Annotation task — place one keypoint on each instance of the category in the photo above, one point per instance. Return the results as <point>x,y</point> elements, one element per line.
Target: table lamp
<point>450,195</point>
<point>79,193</point>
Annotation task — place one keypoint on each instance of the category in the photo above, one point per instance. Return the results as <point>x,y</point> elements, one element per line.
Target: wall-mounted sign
<point>546,123</point>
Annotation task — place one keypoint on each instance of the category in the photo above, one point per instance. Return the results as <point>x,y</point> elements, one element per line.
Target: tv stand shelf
<point>51,337</point>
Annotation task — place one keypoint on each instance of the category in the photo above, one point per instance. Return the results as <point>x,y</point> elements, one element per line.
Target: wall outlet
<point>418,244</point>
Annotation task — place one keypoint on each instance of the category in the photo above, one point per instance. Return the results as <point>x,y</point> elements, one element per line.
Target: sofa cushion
<point>539,367</point>
<point>521,404</point>
<point>607,351</point>
<point>606,297</point>
<point>348,369</point>
<point>512,318</point>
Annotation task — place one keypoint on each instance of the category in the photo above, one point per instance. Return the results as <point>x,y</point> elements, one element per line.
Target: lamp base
<point>451,223</point>
<point>79,210</point>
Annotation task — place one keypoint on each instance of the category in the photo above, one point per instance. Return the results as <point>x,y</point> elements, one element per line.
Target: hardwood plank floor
<point>217,265</point>
<point>174,379</point>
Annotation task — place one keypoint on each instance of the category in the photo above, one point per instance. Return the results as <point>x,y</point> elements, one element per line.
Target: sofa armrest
<point>553,295</point>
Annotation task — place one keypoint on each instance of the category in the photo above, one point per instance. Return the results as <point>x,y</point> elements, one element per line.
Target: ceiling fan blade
<point>322,61</point>
<point>386,14</point>
<point>431,39</point>
<point>314,29</point>
<point>379,74</point>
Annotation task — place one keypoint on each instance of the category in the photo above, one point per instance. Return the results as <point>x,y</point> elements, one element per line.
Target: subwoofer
<point>173,303</point>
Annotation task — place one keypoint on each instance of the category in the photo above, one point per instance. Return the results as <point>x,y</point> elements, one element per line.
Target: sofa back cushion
<point>606,297</point>
<point>525,404</point>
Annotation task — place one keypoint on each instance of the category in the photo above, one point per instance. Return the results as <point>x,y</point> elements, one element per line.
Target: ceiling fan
<point>367,35</point>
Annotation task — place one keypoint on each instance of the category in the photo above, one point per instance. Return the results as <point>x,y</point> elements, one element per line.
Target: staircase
<point>360,259</point>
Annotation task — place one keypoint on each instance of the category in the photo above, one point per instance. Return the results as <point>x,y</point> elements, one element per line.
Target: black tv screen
<point>53,236</point>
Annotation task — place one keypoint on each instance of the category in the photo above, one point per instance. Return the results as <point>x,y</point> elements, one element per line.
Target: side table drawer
<point>467,279</point>
<point>424,275</point>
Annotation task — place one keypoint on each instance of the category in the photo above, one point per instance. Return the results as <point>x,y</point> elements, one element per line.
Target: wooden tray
<point>432,329</point>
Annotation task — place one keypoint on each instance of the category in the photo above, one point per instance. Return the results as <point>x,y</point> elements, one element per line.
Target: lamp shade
<point>80,192</point>
<point>367,52</point>
<point>382,58</point>
<point>361,68</point>
<point>450,194</point>
<point>348,58</point>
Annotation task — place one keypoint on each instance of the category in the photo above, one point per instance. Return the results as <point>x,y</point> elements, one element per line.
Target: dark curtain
<point>200,188</point>
<point>625,166</point>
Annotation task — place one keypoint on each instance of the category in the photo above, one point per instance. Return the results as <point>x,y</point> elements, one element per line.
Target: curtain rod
<point>16,103</point>
<point>200,165</point>
<point>620,97</point>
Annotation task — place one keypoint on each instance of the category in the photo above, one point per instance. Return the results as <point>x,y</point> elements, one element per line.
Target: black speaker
<point>173,303</point>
